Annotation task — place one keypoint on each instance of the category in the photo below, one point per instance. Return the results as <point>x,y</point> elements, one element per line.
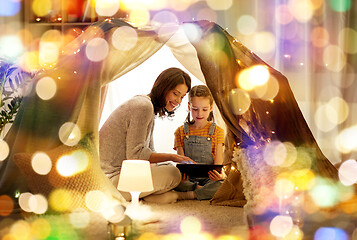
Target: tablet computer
<point>198,170</point>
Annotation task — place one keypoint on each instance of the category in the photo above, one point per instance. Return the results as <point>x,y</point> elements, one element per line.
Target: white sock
<point>167,197</point>
<point>186,195</point>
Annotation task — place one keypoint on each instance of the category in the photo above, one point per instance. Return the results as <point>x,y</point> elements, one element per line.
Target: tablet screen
<point>198,170</point>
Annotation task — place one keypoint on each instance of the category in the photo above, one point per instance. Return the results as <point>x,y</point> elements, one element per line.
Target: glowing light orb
<point>340,5</point>
<point>9,8</point>
<point>302,10</point>
<point>193,32</point>
<point>281,225</point>
<point>41,163</point>
<point>69,134</point>
<point>320,37</point>
<point>124,38</point>
<point>69,165</point>
<point>164,17</point>
<point>219,4</point>
<point>275,153</point>
<point>115,213</point>
<point>40,228</point>
<point>46,88</point>
<point>345,141</point>
<point>139,17</point>
<point>6,206</point>
<point>322,116</point>
<point>106,7</point>
<point>334,58</point>
<point>79,218</point>
<point>303,179</point>
<point>190,225</point>
<point>96,201</point>
<point>239,101</point>
<point>21,229</point>
<point>181,5</point>
<point>60,200</point>
<point>330,233</point>
<point>38,204</point>
<point>11,46</point>
<point>97,49</point>
<point>4,150</point>
<point>49,52</point>
<point>283,15</point>
<point>324,194</point>
<point>31,61</point>
<point>247,24</point>
<point>347,172</point>
<point>348,36</point>
<point>264,42</point>
<point>41,7</point>
<point>24,200</point>
<point>283,188</point>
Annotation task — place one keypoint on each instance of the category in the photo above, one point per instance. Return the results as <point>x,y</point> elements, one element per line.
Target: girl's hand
<point>184,177</point>
<point>216,176</point>
<point>182,159</point>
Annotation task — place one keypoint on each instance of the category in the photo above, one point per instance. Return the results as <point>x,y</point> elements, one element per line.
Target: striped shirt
<point>217,137</point>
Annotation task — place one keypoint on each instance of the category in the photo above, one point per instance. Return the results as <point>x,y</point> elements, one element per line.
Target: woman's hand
<point>182,159</point>
<point>216,176</point>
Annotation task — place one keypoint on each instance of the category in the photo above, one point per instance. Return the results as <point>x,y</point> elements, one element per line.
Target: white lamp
<point>135,177</point>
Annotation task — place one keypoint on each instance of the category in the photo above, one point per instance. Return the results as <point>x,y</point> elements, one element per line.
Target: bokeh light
<point>69,134</point>
<point>41,7</point>
<point>115,214</point>
<point>320,37</point>
<point>346,140</point>
<point>247,24</point>
<point>41,163</point>
<point>190,225</point>
<point>61,200</point>
<point>24,201</point>
<point>6,206</point>
<point>164,17</point>
<point>302,10</point>
<point>283,188</point>
<point>281,225</point>
<point>21,229</point>
<point>334,58</point>
<point>330,233</point>
<point>340,5</point>
<point>106,7</point>
<point>193,32</point>
<point>74,163</point>
<point>124,38</point>
<point>38,204</point>
<point>347,172</point>
<point>9,8</point>
<point>264,42</point>
<point>239,101</point>
<point>4,150</point>
<point>96,201</point>
<point>283,15</point>
<point>252,77</point>
<point>275,153</point>
<point>139,17</point>
<point>79,218</point>
<point>97,49</point>
<point>46,88</point>
<point>219,5</point>
<point>207,14</point>
<point>324,193</point>
<point>348,37</point>
<point>40,228</point>
<point>11,46</point>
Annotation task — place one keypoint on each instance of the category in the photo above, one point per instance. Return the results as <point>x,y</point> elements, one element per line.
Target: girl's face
<point>200,109</point>
<point>174,97</point>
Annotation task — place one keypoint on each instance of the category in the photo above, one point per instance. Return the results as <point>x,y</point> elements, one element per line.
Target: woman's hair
<point>200,91</point>
<point>166,81</point>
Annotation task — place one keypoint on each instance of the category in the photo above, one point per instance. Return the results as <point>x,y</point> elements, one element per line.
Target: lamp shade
<point>135,176</point>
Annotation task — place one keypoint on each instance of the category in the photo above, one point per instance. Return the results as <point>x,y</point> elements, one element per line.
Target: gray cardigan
<point>127,134</point>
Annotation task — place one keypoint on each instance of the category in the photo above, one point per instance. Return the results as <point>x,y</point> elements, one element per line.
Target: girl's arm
<point>180,151</point>
<point>219,155</point>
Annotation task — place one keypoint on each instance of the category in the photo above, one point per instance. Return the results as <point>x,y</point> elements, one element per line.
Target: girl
<point>202,141</point>
<point>128,134</point>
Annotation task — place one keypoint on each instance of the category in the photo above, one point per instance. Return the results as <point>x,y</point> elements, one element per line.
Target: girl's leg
<point>207,190</point>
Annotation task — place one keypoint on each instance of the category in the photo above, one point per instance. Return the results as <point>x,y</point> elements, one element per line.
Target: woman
<point>128,134</point>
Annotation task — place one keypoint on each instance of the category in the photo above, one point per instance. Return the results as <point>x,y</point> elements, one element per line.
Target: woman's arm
<point>162,157</point>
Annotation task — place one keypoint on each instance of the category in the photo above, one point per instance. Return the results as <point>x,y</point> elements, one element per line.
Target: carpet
<point>163,219</point>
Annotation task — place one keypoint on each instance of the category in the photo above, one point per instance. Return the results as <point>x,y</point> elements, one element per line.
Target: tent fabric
<point>72,116</point>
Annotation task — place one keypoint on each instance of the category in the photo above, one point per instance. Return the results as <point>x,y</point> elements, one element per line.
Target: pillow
<point>87,188</point>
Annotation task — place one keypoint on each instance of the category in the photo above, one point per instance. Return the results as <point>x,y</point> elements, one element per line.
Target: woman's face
<point>174,97</point>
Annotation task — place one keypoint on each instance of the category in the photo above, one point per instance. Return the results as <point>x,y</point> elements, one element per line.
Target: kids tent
<point>66,122</point>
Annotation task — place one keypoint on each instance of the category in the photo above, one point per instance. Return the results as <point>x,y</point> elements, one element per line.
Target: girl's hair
<point>200,91</point>
<point>166,81</point>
